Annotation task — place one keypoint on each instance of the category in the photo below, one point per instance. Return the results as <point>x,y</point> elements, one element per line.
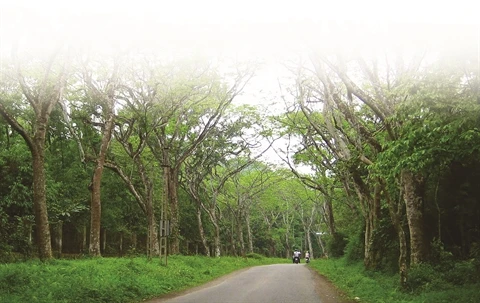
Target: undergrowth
<point>112,279</point>
<point>426,283</point>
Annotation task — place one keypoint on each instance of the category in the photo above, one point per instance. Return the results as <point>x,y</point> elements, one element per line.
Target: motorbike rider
<point>296,253</point>
<point>307,256</point>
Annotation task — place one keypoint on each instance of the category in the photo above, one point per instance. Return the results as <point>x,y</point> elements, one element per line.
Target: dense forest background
<point>105,155</point>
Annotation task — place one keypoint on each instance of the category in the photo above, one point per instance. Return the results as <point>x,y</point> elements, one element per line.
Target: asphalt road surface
<point>279,283</point>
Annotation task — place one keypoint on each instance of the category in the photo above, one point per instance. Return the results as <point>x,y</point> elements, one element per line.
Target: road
<point>279,283</point>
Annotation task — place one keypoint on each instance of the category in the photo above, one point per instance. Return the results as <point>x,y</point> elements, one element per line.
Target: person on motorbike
<point>296,253</point>
<point>307,256</point>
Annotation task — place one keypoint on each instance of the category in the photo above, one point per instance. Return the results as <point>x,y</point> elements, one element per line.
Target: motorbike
<point>296,260</point>
<point>307,259</point>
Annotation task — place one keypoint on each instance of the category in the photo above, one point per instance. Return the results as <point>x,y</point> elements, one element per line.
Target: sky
<point>267,30</point>
<point>249,27</point>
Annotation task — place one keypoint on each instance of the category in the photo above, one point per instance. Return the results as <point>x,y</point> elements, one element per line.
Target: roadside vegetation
<point>376,159</point>
<point>444,283</point>
<point>113,279</point>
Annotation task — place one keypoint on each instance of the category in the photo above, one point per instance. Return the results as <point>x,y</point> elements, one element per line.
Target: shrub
<point>336,245</point>
<point>424,277</point>
<point>463,272</point>
<point>254,256</point>
<point>354,249</point>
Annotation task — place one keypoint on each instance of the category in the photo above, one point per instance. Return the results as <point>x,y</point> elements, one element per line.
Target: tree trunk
<point>84,239</point>
<point>174,212</point>
<point>371,214</point>
<point>39,195</point>
<point>96,205</point>
<point>134,240</point>
<point>249,233</point>
<point>396,215</point>
<point>322,246</point>
<point>201,231</point>
<point>153,245</point>
<point>412,187</point>
<point>240,237</point>
<point>329,215</point>
<point>104,239</point>
<point>216,240</point>
<point>120,244</point>
<point>59,238</point>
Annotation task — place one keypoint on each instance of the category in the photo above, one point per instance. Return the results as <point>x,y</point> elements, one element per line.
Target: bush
<point>354,249</point>
<point>254,256</point>
<point>336,245</point>
<point>463,272</point>
<point>423,277</point>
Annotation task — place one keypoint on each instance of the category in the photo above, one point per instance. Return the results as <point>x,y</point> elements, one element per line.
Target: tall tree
<point>188,108</point>
<point>104,92</point>
<point>42,89</point>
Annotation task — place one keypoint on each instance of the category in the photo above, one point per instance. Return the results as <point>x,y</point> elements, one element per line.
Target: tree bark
<point>412,187</point>
<point>42,99</point>
<point>95,204</point>
<point>202,231</point>
<point>59,238</point>
<point>40,196</point>
<point>174,212</point>
<point>249,233</point>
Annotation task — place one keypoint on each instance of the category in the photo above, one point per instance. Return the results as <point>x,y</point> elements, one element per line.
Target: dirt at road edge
<point>326,290</point>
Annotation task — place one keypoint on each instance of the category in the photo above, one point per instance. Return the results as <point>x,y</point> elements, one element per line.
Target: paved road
<point>280,283</point>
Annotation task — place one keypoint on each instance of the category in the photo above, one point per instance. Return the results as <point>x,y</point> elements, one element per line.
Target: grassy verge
<point>112,279</point>
<point>377,287</point>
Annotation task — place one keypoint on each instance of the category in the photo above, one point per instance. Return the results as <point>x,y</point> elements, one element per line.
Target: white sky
<point>269,30</point>
<point>246,25</point>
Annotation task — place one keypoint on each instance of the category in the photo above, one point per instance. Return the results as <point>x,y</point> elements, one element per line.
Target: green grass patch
<point>112,279</point>
<point>379,287</point>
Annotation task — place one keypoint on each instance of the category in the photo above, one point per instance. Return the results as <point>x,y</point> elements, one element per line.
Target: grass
<point>136,279</point>
<point>112,279</point>
<point>378,287</point>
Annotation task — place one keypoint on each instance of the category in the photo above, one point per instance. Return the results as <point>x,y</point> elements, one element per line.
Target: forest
<point>138,154</point>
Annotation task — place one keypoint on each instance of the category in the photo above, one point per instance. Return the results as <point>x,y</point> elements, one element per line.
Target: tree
<point>104,92</point>
<point>42,91</point>
<point>207,171</point>
<point>187,108</point>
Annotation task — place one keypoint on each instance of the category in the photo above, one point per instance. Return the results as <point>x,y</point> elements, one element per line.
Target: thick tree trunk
<point>412,188</point>
<point>39,195</point>
<point>396,215</point>
<point>95,203</point>
<point>371,214</point>
<point>174,212</point>
<point>153,245</point>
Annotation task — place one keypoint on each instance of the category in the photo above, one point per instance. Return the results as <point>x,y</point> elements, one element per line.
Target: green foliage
<point>254,256</point>
<point>425,284</point>
<point>336,244</point>
<point>354,249</point>
<point>112,279</point>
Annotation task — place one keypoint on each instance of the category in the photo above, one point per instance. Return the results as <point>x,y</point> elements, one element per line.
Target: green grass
<point>378,287</point>
<point>112,279</point>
